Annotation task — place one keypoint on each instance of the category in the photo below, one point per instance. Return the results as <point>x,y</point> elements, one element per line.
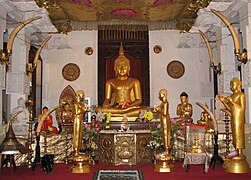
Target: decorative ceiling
<point>69,15</point>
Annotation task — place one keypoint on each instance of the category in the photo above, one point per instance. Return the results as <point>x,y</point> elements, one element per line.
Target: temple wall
<point>187,49</point>
<point>195,59</point>
<point>64,49</point>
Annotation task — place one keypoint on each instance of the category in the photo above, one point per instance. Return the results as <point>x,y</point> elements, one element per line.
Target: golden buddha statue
<point>235,104</point>
<point>184,109</point>
<point>80,159</point>
<point>123,93</point>
<point>163,159</point>
<point>205,119</point>
<point>67,114</point>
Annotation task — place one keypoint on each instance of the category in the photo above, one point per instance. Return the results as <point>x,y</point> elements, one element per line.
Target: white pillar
<point>2,30</point>
<point>18,60</point>
<point>245,28</point>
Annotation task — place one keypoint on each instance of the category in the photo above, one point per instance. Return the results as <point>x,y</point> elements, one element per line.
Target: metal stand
<point>29,105</point>
<point>30,140</point>
<point>66,147</point>
<point>216,158</point>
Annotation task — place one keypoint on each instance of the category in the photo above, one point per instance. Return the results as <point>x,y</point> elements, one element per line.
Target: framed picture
<point>87,117</point>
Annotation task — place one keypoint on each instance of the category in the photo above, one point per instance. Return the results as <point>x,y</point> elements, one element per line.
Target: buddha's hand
<point>221,98</point>
<point>124,106</point>
<point>106,104</point>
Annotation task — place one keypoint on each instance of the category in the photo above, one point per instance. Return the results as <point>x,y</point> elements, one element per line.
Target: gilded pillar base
<point>80,164</point>
<point>237,164</point>
<point>163,163</point>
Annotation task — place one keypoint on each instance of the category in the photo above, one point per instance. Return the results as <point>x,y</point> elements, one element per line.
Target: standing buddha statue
<point>163,159</point>
<point>80,159</point>
<point>235,104</point>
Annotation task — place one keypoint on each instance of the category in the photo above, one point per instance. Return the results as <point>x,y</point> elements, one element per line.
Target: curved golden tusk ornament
<point>16,30</point>
<point>43,118</point>
<point>210,114</point>
<point>12,117</point>
<point>242,57</point>
<point>208,48</point>
<point>39,51</point>
<point>216,68</point>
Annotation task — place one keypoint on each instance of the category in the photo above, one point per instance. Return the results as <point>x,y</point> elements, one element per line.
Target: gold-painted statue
<point>184,109</point>
<point>80,159</point>
<point>163,160</point>
<point>205,119</point>
<point>67,113</point>
<point>235,104</point>
<point>123,93</point>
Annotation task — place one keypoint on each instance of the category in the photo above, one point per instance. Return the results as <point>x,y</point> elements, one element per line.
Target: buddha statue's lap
<point>122,94</point>
<point>117,112</point>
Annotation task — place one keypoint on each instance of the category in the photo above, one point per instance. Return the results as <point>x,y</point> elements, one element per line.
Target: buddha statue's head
<point>162,94</point>
<point>184,97</point>
<point>80,95</point>
<point>235,84</point>
<point>122,64</point>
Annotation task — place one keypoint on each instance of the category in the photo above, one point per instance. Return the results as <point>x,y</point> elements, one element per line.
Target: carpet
<point>118,175</point>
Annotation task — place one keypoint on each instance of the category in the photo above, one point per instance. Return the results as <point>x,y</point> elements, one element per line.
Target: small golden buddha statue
<point>67,114</point>
<point>80,159</point>
<point>163,159</point>
<point>196,147</point>
<point>206,120</point>
<point>123,93</point>
<point>184,109</point>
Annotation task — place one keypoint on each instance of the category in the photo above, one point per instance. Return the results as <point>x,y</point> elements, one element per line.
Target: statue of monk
<point>123,93</point>
<point>80,159</point>
<point>235,105</point>
<point>184,109</point>
<point>163,159</point>
<point>163,110</point>
<point>79,111</point>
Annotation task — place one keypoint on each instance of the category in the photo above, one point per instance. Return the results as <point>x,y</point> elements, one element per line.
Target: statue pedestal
<point>237,164</point>
<point>163,163</point>
<point>80,164</point>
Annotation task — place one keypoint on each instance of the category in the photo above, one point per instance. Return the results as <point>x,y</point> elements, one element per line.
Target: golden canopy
<point>158,14</point>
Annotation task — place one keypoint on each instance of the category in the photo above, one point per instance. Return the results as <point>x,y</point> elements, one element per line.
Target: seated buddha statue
<point>123,93</point>
<point>67,114</point>
<point>184,109</point>
<point>205,119</point>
